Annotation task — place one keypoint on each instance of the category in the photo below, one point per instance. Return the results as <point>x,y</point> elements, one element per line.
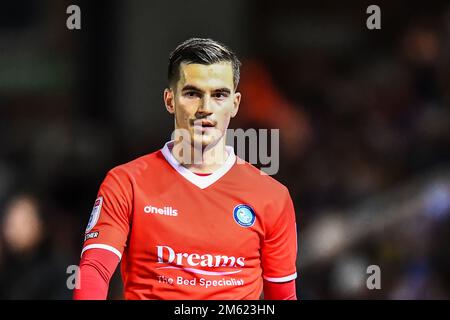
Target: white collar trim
<point>200,181</point>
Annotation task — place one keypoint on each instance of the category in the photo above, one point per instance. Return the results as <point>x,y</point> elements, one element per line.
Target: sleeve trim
<point>282,279</point>
<point>102,246</point>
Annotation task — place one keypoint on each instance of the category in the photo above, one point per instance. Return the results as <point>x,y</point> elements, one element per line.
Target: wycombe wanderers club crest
<point>244,215</point>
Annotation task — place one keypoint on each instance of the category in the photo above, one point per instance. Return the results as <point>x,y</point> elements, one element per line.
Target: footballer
<point>192,220</point>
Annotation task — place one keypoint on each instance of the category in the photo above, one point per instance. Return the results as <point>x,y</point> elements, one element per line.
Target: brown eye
<point>220,95</point>
<point>191,94</point>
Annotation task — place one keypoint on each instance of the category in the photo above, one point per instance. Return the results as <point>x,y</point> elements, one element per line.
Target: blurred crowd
<point>365,136</point>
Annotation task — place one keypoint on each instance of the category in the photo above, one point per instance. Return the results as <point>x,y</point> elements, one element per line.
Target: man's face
<point>203,101</point>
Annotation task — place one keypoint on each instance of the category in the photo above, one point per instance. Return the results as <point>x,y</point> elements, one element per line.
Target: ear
<point>169,100</point>
<point>236,102</point>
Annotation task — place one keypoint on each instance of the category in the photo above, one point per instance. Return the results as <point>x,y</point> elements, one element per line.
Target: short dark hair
<point>202,51</point>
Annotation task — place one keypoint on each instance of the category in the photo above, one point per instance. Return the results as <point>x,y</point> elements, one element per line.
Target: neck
<point>200,160</point>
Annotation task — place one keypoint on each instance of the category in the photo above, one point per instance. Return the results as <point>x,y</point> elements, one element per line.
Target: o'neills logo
<point>166,211</point>
<point>187,260</point>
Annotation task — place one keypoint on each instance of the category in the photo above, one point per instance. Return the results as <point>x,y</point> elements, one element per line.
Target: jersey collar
<point>200,181</point>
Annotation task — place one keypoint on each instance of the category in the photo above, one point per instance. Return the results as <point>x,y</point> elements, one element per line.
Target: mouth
<point>204,124</point>
<point>204,127</point>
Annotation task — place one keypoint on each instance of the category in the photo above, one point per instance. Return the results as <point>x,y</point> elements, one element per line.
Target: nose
<point>205,107</point>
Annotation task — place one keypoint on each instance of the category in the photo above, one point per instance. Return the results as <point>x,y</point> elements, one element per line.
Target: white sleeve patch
<point>95,214</point>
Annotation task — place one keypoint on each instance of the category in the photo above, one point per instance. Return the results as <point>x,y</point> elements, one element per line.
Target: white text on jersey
<point>166,211</point>
<point>195,259</point>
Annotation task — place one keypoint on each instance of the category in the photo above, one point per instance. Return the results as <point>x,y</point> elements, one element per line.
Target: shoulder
<point>258,180</point>
<point>137,167</point>
<point>269,196</point>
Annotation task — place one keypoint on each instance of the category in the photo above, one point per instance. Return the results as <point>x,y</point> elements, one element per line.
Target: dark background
<point>364,121</point>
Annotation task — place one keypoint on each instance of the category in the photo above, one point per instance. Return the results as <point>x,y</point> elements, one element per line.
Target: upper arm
<point>279,248</point>
<point>109,223</point>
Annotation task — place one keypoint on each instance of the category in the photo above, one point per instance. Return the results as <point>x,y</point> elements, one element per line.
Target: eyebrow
<point>226,90</point>
<point>190,88</point>
<point>194,88</point>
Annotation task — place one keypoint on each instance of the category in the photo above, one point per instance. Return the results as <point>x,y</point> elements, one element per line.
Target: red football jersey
<point>187,236</point>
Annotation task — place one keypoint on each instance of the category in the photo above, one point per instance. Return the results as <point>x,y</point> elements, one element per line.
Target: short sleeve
<point>279,249</point>
<point>109,223</point>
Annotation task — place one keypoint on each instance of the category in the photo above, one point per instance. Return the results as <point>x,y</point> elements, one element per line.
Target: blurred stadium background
<point>364,118</point>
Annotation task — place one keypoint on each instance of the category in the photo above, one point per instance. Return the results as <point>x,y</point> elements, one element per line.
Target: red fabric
<point>124,219</point>
<point>279,291</point>
<point>96,269</point>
